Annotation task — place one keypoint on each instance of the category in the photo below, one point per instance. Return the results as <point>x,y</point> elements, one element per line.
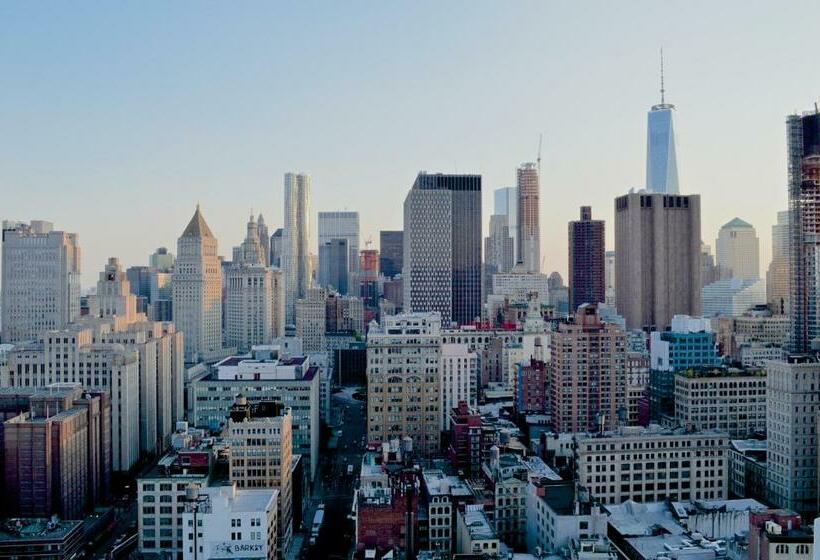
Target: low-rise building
<point>747,468</point>
<point>475,532</point>
<point>650,464</point>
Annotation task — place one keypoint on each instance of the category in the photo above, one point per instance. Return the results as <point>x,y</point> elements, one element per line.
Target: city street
<point>336,487</point>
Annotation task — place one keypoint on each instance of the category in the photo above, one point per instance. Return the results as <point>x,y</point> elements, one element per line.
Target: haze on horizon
<point>118,119</point>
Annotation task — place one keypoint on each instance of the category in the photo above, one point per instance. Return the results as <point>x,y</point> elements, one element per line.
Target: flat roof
<point>36,529</point>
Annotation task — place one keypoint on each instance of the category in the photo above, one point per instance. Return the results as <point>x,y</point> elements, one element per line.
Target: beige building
<point>311,320</point>
<point>197,290</point>
<point>777,275</point>
<point>728,400</point>
<point>738,251</point>
<point>588,373</point>
<point>403,380</point>
<point>657,240</point>
<point>261,442</point>
<point>40,280</point>
<point>529,227</point>
<point>653,464</point>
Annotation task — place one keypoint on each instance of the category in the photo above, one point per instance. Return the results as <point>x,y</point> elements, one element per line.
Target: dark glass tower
<point>587,283</point>
<point>391,245</point>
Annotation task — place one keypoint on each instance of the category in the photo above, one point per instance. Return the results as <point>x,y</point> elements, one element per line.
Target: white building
<point>197,289</point>
<point>475,533</point>
<point>311,317</point>
<point>296,233</point>
<point>40,280</point>
<point>443,495</point>
<point>341,225</point>
<point>793,404</point>
<point>738,251</point>
<point>653,464</point>
<point>403,386</point>
<point>732,297</point>
<point>609,277</point>
<point>228,522</point>
<point>459,374</point>
<point>519,284</point>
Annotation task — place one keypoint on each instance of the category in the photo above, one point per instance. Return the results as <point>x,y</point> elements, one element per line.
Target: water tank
<point>191,493</point>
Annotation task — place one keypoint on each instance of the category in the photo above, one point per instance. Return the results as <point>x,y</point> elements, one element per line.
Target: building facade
<point>391,256</point>
<point>529,225</point>
<point>738,251</point>
<point>40,280</point>
<point>587,281</point>
<point>295,258</point>
<point>777,275</point>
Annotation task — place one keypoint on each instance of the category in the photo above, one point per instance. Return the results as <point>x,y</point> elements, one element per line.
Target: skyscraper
<point>442,246</point>
<point>529,229</point>
<point>777,276</point>
<point>661,159</point>
<point>587,282</point>
<point>197,290</point>
<point>803,134</point>
<point>334,267</point>
<point>296,241</point>
<point>505,203</point>
<point>251,251</point>
<point>276,248</point>
<point>657,240</point>
<point>738,251</point>
<point>264,239</point>
<point>341,225</point>
<point>40,281</point>
<point>499,253</point>
<point>391,247</point>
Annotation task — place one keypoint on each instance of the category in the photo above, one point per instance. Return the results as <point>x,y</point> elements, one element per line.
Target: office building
<point>261,448</point>
<point>730,400</point>
<point>657,240</point>
<point>777,275</point>
<point>341,225</point>
<point>505,203</point>
<point>732,297</point>
<point>139,277</point>
<point>343,314</point>
<point>459,377</point>
<point>295,257</point>
<point>264,239</point>
<point>40,280</point>
<point>738,251</point>
<point>587,373</point>
<point>709,271</point>
<point>661,156</point>
<point>499,255</point>
<point>197,290</point>
<point>311,320</point>
<point>587,282</point>
<point>442,247</point>
<point>403,380</point>
<point>747,468</point>
<point>334,267</point>
<point>391,247</point>
<point>791,429</point>
<point>270,373</point>
<point>520,286</point>
<point>529,228</point>
<point>803,135</point>
<point>276,248</point>
<point>56,450</point>
<point>653,464</point>
<point>609,278</point>
<point>231,522</point>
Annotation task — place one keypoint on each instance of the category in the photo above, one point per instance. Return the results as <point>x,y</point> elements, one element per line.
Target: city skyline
<point>150,136</point>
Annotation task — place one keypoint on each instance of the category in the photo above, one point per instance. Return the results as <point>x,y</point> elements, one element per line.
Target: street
<point>336,486</point>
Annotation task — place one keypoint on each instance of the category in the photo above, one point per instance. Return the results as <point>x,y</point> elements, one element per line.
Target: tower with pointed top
<point>264,238</point>
<point>197,290</point>
<point>251,250</point>
<point>661,158</point>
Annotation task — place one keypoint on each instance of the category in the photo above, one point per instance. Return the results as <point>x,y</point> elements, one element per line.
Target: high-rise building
<point>708,269</point>
<point>777,276</point>
<point>261,451</point>
<point>40,280</point>
<point>738,251</point>
<point>368,277</point>
<point>499,255</point>
<point>661,158</point>
<point>403,380</point>
<point>588,374</point>
<point>791,426</point>
<point>529,229</point>
<point>161,260</point>
<point>264,239</point>
<point>587,283</point>
<point>442,247</point>
<point>197,290</point>
<point>609,276</point>
<point>459,377</point>
<point>657,240</point>
<point>391,247</point>
<point>334,267</point>
<point>56,450</point>
<point>276,248</point>
<point>505,203</point>
<point>341,225</point>
<point>295,258</point>
<point>732,297</point>
<point>311,320</point>
<point>803,134</point>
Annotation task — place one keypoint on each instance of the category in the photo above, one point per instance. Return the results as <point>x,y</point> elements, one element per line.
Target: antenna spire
<point>663,91</point>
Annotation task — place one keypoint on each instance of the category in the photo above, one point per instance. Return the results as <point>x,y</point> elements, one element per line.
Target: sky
<point>117,118</point>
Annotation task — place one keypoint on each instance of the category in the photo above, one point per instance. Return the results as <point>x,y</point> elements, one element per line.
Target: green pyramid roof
<point>197,226</point>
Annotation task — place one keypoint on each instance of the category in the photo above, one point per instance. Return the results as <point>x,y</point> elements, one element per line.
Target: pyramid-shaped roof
<point>738,223</point>
<point>197,226</point>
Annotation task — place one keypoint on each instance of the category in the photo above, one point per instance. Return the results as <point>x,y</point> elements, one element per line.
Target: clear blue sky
<point>116,118</point>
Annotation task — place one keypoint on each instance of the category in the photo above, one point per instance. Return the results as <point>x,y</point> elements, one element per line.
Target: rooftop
<point>477,524</point>
<point>37,529</point>
<point>238,500</point>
